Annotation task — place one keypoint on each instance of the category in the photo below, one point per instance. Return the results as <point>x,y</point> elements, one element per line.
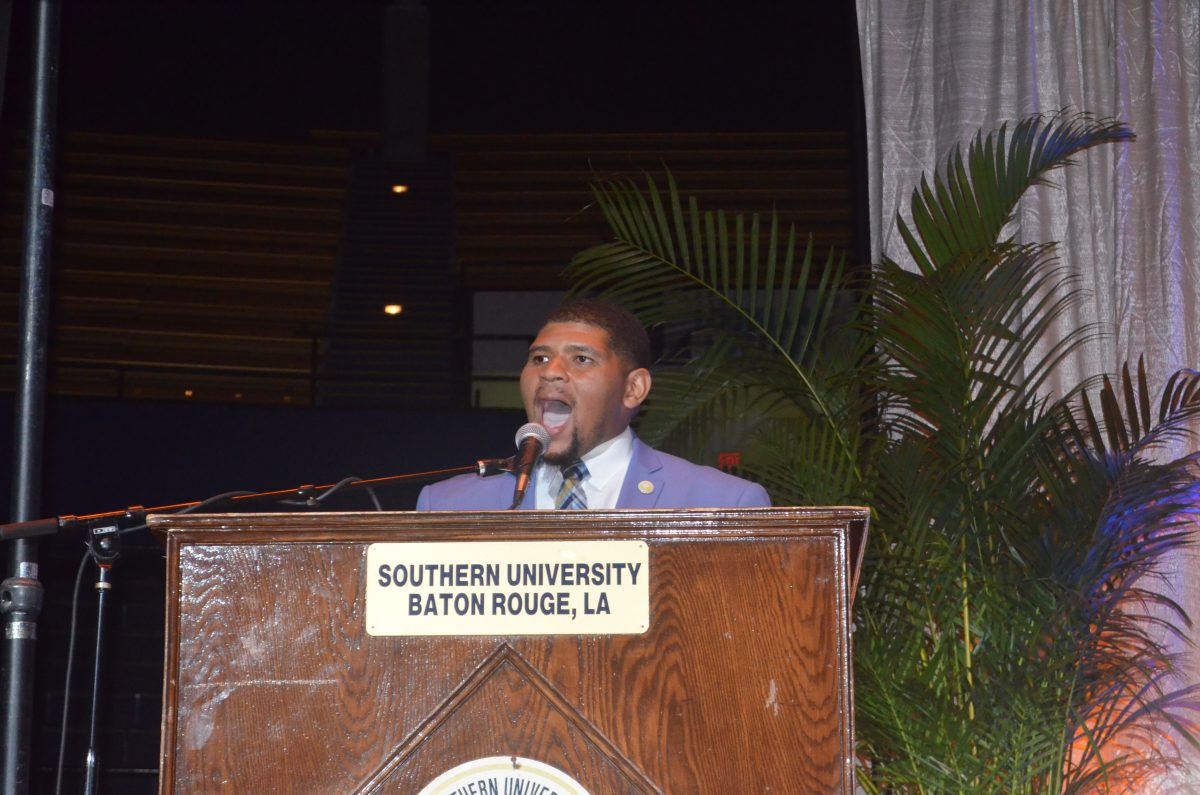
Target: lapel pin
<point>646,487</point>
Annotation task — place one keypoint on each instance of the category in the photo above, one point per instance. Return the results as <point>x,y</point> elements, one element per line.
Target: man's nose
<point>553,371</point>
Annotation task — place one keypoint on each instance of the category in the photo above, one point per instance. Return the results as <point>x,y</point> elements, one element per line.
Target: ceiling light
<point>399,189</point>
<point>393,309</point>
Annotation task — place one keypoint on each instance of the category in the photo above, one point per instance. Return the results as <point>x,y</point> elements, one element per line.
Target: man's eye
<point>583,359</point>
<point>537,358</point>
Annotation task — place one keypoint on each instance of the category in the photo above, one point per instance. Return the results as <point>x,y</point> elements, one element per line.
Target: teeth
<point>555,413</point>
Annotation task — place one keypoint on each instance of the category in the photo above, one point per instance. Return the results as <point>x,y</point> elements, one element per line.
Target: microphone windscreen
<point>536,430</point>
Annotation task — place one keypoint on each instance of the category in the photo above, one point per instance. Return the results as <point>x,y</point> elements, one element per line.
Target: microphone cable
<point>73,627</point>
<point>62,737</point>
<point>315,501</point>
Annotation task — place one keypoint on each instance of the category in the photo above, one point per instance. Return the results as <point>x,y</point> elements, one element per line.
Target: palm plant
<point>1009,639</point>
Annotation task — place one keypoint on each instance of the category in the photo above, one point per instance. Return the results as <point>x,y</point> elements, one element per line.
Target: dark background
<point>275,71</point>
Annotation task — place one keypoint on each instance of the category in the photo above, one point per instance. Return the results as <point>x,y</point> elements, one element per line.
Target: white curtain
<point>936,71</point>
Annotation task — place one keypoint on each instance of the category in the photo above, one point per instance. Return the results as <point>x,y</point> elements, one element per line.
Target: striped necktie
<point>570,496</point>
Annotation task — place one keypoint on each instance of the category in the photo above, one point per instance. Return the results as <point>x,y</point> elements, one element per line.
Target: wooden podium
<point>741,683</point>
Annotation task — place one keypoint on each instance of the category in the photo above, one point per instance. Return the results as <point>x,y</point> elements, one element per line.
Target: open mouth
<point>555,414</point>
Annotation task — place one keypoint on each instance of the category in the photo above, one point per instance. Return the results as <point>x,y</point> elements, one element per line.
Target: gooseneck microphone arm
<point>308,496</point>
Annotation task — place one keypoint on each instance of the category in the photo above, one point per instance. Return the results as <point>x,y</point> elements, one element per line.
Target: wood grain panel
<point>741,684</point>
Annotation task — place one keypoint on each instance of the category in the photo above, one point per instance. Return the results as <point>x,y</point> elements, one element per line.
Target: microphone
<point>532,440</point>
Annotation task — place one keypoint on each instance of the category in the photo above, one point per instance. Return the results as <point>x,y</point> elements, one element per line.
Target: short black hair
<point>626,335</point>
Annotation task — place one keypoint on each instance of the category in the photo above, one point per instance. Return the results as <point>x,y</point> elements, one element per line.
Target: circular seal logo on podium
<point>503,775</point>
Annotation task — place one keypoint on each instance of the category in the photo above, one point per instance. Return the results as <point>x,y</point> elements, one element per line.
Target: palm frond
<point>674,265</point>
<point>1127,413</point>
<point>799,462</point>
<point>691,409</point>
<point>970,201</point>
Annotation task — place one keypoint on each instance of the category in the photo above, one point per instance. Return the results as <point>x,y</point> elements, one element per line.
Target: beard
<point>568,456</point>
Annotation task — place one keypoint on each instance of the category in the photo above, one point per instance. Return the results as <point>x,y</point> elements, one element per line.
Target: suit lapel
<point>644,480</point>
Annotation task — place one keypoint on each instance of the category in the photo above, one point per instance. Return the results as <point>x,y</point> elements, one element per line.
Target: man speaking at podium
<point>586,375</point>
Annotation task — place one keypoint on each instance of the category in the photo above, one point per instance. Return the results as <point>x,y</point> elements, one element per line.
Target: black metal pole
<point>21,593</point>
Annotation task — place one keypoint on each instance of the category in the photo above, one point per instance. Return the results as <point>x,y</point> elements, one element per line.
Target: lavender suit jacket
<point>673,483</point>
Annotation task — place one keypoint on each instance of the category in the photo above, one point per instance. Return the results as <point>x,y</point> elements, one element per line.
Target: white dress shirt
<point>607,464</point>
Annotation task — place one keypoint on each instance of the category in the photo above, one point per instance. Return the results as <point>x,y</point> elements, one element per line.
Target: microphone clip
<point>487,467</point>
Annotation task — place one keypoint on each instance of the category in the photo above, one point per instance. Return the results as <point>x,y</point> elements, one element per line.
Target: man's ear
<point>637,387</point>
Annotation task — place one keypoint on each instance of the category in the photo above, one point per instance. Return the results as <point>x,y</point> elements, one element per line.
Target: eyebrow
<point>571,348</point>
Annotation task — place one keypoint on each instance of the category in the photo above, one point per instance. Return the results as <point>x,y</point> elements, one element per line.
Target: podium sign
<point>508,588</point>
<point>283,673</point>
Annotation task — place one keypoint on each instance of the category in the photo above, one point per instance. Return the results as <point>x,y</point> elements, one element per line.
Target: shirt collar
<point>608,459</point>
<point>605,461</point>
